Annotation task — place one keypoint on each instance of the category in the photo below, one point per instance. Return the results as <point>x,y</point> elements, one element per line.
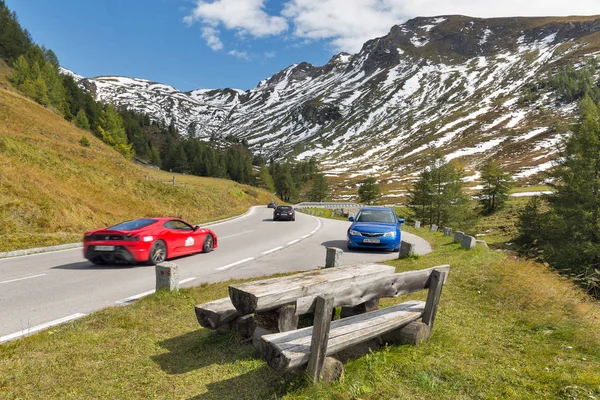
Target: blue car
<point>375,228</point>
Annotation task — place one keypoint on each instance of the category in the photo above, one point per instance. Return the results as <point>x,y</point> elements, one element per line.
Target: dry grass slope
<point>52,188</point>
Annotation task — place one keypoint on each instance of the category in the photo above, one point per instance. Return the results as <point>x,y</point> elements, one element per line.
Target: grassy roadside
<point>506,328</point>
<point>53,188</point>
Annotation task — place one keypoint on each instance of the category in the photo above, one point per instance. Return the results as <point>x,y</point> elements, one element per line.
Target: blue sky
<point>194,44</point>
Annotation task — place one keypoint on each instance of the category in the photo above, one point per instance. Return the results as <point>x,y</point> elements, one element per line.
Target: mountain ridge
<point>451,83</point>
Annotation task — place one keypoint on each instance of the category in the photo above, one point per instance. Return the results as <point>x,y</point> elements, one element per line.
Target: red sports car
<point>150,240</point>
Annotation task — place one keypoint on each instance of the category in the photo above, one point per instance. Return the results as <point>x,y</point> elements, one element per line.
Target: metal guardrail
<point>316,204</point>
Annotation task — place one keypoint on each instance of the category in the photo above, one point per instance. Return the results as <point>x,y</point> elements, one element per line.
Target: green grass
<point>506,328</point>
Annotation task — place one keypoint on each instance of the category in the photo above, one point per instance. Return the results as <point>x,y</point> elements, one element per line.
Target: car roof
<point>377,208</point>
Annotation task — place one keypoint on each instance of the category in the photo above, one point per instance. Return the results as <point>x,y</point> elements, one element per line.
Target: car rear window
<point>284,208</point>
<point>133,225</point>
<point>376,216</point>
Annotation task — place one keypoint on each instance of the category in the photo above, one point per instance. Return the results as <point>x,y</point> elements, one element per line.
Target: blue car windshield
<point>384,216</point>
<point>133,225</point>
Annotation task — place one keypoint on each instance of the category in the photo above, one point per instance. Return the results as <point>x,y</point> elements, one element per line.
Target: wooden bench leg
<point>433,297</point>
<point>362,308</point>
<point>282,319</point>
<point>333,370</point>
<point>320,336</point>
<point>414,333</point>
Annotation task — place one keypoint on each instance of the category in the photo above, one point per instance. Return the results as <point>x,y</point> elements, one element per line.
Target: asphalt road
<point>41,290</point>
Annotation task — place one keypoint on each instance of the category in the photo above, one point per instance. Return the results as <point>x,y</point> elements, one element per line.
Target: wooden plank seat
<point>216,313</point>
<point>288,350</point>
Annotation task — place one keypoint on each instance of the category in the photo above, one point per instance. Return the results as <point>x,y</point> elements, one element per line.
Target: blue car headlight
<point>390,234</point>
<point>354,233</point>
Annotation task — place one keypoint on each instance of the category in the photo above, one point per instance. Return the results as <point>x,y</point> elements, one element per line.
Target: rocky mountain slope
<point>456,84</point>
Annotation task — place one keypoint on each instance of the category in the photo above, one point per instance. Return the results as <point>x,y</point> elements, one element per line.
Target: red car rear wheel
<point>158,252</point>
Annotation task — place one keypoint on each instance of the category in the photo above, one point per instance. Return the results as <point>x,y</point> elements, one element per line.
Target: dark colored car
<point>375,228</point>
<point>272,205</point>
<point>150,240</point>
<point>284,212</point>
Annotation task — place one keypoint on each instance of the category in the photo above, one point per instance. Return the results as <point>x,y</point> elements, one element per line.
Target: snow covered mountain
<point>468,87</point>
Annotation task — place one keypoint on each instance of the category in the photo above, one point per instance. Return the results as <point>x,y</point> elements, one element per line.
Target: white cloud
<point>239,54</point>
<point>211,35</point>
<point>347,24</point>
<point>245,17</point>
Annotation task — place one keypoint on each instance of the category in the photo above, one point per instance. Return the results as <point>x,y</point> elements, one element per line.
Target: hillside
<point>469,87</point>
<point>53,188</point>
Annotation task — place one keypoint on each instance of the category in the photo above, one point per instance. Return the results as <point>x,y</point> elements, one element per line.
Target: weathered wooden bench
<point>268,311</point>
<point>289,350</point>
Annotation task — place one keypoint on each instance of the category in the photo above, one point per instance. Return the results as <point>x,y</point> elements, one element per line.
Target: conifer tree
<point>369,191</point>
<point>81,120</point>
<point>572,237</point>
<point>111,131</point>
<point>496,185</point>
<point>320,188</point>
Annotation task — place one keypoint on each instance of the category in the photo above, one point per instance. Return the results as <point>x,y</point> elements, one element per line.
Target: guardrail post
<point>417,224</point>
<point>333,257</point>
<point>167,276</point>
<point>406,249</point>
<point>468,242</point>
<point>458,236</point>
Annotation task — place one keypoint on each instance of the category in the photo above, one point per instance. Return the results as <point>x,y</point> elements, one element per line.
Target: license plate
<point>371,240</point>
<point>105,248</point>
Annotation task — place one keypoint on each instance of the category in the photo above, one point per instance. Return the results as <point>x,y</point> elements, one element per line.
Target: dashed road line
<point>22,279</point>
<point>272,250</point>
<point>293,242</point>
<point>37,328</point>
<point>234,264</point>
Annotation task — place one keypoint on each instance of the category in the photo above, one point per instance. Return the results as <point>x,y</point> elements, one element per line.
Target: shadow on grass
<point>199,349</point>
<point>260,383</point>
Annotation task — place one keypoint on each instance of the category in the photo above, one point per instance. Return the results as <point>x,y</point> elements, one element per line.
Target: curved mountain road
<point>40,290</point>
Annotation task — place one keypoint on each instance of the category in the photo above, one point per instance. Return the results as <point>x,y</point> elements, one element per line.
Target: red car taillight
<point>132,238</point>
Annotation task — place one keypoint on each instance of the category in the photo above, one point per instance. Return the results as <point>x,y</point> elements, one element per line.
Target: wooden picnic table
<point>273,293</point>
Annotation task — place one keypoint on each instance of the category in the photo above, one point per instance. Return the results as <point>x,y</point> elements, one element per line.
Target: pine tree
<point>81,120</point>
<point>111,131</point>
<point>320,188</point>
<point>572,239</point>
<point>369,191</point>
<point>496,185</point>
<point>265,180</point>
<point>420,198</point>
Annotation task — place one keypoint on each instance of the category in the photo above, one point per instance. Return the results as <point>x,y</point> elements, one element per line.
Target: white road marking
<point>305,236</point>
<point>34,329</point>
<point>22,279</point>
<point>272,250</point>
<point>237,234</point>
<point>234,264</point>
<point>293,241</point>
<point>187,280</point>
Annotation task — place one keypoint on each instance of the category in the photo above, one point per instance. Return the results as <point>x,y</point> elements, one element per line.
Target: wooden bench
<point>258,309</point>
<point>289,350</point>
